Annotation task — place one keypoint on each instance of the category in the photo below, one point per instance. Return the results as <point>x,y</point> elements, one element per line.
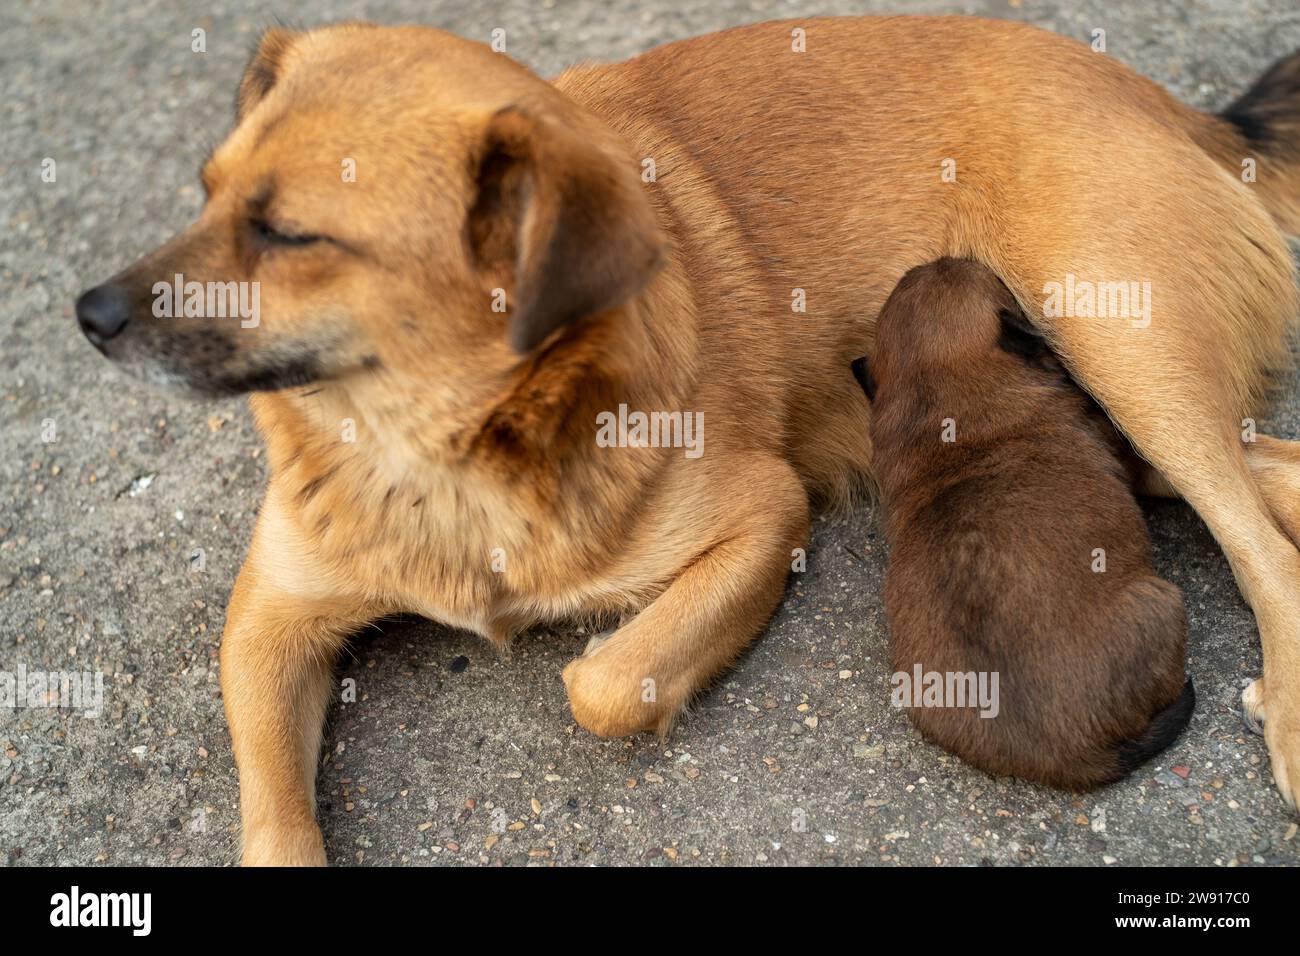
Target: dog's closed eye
<point>269,235</point>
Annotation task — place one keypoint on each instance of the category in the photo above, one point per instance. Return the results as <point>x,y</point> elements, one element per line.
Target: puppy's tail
<point>1258,139</point>
<point>1163,730</point>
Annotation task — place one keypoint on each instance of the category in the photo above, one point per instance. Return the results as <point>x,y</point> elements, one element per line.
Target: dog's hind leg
<point>1178,375</point>
<point>1275,465</point>
<point>1201,455</point>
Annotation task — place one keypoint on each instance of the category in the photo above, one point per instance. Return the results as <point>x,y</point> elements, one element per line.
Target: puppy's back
<point>1016,545</point>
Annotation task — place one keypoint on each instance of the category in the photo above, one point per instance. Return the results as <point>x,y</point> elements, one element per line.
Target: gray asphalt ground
<point>449,754</point>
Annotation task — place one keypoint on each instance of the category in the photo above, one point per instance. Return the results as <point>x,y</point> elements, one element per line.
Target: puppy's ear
<point>565,225</point>
<point>862,372</point>
<point>263,69</point>
<point>1018,335</point>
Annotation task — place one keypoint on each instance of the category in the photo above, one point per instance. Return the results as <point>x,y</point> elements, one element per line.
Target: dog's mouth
<point>262,374</point>
<point>196,356</point>
<point>208,362</point>
<point>178,369</point>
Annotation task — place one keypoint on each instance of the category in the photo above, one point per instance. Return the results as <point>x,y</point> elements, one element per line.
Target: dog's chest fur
<point>462,545</point>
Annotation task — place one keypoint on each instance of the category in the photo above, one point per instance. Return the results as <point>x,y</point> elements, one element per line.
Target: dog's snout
<point>103,312</point>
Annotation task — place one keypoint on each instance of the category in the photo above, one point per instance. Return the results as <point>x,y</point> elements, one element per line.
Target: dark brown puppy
<point>1016,546</point>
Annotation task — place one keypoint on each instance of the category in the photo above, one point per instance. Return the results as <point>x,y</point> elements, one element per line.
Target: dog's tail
<point>1258,139</point>
<point>1163,730</point>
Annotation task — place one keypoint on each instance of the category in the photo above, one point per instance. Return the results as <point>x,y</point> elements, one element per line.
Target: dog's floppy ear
<point>1019,336</point>
<point>862,372</point>
<point>562,222</point>
<point>263,69</point>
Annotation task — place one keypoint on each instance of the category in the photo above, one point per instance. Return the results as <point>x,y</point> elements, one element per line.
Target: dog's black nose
<point>103,312</point>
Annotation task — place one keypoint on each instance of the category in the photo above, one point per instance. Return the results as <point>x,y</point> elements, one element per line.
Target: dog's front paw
<point>1280,716</point>
<point>612,696</point>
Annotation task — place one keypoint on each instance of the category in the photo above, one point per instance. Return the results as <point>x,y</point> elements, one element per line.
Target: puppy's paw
<point>612,697</point>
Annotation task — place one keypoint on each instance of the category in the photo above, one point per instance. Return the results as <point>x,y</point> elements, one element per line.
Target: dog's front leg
<point>648,670</point>
<point>277,657</point>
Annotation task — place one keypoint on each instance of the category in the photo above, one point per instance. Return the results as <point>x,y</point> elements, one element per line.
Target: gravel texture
<point>449,754</point>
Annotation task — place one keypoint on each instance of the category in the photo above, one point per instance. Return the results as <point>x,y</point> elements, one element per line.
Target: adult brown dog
<point>1020,587</point>
<point>812,169</point>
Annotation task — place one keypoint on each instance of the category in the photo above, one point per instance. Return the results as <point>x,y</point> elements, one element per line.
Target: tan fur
<point>776,171</point>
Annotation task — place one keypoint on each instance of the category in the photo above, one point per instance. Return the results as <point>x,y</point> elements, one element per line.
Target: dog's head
<point>946,321</point>
<point>390,198</point>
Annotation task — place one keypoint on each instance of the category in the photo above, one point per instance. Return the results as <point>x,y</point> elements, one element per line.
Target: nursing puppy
<point>1016,545</point>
